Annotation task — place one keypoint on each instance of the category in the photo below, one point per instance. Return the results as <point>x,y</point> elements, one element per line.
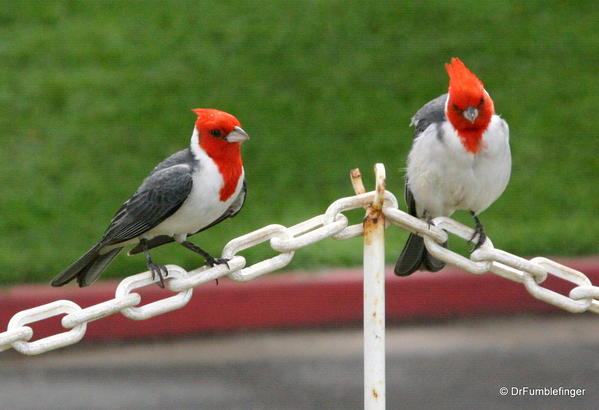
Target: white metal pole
<point>374,298</point>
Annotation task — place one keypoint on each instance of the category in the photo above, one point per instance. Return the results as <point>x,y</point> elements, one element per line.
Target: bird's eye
<point>482,101</point>
<point>215,133</point>
<point>455,107</point>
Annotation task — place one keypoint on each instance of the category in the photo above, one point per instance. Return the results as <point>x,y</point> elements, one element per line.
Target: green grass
<point>95,93</point>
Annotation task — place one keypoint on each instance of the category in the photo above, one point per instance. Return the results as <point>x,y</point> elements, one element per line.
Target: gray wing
<point>159,196</point>
<point>431,112</point>
<point>414,254</point>
<point>181,157</point>
<point>410,201</point>
<point>229,213</point>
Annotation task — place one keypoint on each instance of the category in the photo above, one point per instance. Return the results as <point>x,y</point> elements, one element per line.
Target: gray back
<point>431,112</point>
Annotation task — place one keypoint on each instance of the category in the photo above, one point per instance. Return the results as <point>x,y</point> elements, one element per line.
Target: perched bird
<point>188,192</point>
<point>460,160</point>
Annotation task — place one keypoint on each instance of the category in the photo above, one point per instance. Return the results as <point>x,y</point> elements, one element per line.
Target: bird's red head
<point>220,135</point>
<point>469,107</point>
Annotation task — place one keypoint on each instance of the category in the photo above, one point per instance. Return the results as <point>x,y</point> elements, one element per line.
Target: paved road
<point>454,365</point>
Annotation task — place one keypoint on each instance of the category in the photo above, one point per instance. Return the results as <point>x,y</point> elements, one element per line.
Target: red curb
<point>296,300</point>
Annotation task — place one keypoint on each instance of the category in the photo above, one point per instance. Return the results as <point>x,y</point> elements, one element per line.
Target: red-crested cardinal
<point>188,192</point>
<point>460,160</point>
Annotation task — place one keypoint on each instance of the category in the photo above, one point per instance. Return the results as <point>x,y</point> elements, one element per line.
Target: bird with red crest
<point>188,192</point>
<point>460,160</point>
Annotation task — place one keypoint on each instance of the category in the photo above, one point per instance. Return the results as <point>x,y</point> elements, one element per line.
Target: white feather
<point>444,177</point>
<point>203,205</point>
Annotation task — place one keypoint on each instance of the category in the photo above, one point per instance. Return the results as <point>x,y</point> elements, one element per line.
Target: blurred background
<point>94,94</point>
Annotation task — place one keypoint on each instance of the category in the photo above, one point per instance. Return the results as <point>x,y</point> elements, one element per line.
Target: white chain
<point>332,224</point>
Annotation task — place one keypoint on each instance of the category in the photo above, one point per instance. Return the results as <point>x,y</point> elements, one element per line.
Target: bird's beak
<point>471,113</point>
<point>237,135</point>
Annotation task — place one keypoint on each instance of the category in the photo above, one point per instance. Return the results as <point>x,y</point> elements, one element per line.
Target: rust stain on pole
<point>374,297</point>
<point>372,220</point>
<point>356,181</point>
<point>374,214</point>
<point>379,196</point>
<point>374,217</point>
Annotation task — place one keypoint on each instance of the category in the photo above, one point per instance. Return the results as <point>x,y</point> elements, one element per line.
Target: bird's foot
<point>478,231</point>
<point>426,217</point>
<point>482,237</point>
<point>211,261</point>
<point>158,270</point>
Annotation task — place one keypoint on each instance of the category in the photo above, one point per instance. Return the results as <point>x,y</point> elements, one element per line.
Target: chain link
<point>556,299</point>
<point>587,292</point>
<point>308,234</point>
<point>448,256</point>
<point>252,239</point>
<point>206,274</point>
<point>286,241</point>
<point>158,307</point>
<point>44,312</point>
<point>19,334</point>
<point>99,311</point>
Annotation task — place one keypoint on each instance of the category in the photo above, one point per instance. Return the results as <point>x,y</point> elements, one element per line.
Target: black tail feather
<point>414,256</point>
<point>87,268</point>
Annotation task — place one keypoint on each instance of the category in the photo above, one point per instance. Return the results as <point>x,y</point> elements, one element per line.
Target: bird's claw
<point>158,270</point>
<point>478,231</point>
<point>482,237</point>
<point>211,261</point>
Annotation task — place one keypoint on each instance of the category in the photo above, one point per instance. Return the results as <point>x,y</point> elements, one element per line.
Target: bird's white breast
<point>444,177</point>
<point>203,205</point>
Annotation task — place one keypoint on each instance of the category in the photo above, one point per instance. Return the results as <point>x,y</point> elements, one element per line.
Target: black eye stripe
<point>480,104</point>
